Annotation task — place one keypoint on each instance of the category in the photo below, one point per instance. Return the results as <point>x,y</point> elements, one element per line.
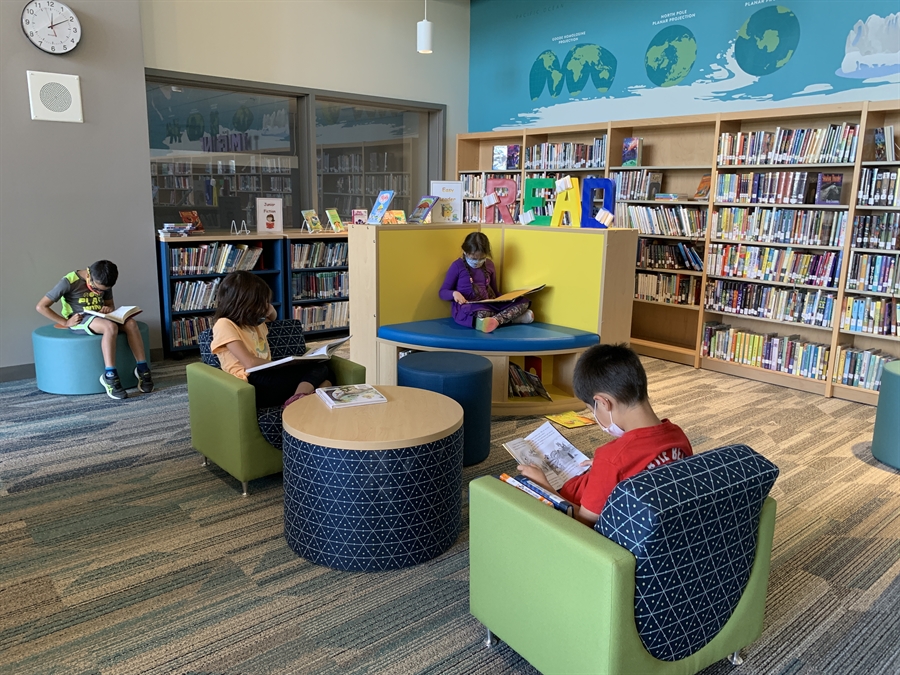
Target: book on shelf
<point>498,158</point>
<point>449,208</point>
<point>269,214</point>
<point>322,353</point>
<point>631,151</point>
<point>423,209</point>
<point>311,221</point>
<point>119,314</point>
<point>828,188</point>
<point>191,218</point>
<point>654,184</point>
<point>544,496</point>
<point>571,419</point>
<point>359,216</point>
<point>349,395</point>
<point>394,217</point>
<point>880,147</point>
<point>549,450</point>
<point>380,207</point>
<point>515,295</point>
<point>523,383</point>
<point>513,153</point>
<point>334,219</point>
<point>703,187</point>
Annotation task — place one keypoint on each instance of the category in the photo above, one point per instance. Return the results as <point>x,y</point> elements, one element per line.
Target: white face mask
<point>613,429</point>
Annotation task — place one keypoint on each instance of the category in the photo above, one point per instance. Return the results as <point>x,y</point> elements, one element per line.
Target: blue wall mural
<point>547,63</point>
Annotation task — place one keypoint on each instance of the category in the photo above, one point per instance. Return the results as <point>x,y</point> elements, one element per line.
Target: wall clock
<point>51,26</point>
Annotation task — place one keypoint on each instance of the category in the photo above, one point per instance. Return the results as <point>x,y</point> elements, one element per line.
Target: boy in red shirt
<point>611,379</point>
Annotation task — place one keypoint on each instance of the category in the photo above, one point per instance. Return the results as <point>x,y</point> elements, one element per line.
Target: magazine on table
<point>322,353</point>
<point>348,395</point>
<point>549,450</point>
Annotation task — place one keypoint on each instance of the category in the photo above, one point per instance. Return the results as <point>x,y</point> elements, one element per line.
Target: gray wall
<point>71,194</point>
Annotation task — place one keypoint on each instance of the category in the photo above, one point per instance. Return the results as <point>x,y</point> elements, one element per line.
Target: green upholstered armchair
<point>563,596</point>
<point>226,427</point>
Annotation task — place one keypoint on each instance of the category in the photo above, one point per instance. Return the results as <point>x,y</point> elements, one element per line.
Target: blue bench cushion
<point>687,524</point>
<point>527,338</point>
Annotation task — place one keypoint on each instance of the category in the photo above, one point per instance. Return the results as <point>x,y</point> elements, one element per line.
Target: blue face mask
<point>471,262</point>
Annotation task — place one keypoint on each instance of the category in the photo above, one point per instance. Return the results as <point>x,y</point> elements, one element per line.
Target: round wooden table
<point>373,487</point>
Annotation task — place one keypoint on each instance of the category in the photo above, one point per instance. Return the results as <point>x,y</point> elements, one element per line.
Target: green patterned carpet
<point>121,554</point>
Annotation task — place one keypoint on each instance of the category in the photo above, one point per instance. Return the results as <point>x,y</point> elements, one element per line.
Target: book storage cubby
<point>191,269</point>
<point>318,284</point>
<point>797,241</point>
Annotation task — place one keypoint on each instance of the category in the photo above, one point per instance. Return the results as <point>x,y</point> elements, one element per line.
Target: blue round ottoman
<point>886,437</point>
<point>70,362</point>
<point>466,378</point>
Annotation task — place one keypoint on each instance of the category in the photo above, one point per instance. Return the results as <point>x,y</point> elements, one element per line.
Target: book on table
<point>349,395</point>
<point>549,450</point>
<point>119,314</point>
<point>322,353</point>
<point>514,295</point>
<point>311,221</point>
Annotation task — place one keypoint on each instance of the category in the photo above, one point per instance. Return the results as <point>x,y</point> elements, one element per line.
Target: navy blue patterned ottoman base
<point>374,510</point>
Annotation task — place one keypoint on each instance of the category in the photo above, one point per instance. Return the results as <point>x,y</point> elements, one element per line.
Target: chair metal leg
<point>490,640</point>
<point>205,462</point>
<point>244,485</point>
<point>735,659</point>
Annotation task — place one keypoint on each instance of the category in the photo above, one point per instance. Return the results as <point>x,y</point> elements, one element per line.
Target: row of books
<point>780,226</point>
<point>793,305</point>
<point>874,273</point>
<point>881,231</point>
<point>885,148</point>
<point>782,265</point>
<point>384,161</point>
<point>195,295</point>
<point>506,157</point>
<point>673,221</point>
<point>170,168</point>
<point>323,317</point>
<point>870,315</point>
<point>554,156</point>
<point>678,256</point>
<point>878,187</point>
<point>779,187</point>
<point>345,185</point>
<point>319,254</point>
<point>186,331</point>
<point>836,144</point>
<point>345,162</point>
<point>474,183</point>
<point>637,185</point>
<point>320,285</point>
<point>213,258</point>
<point>789,354</point>
<point>167,182</point>
<point>523,383</point>
<point>398,182</point>
<point>861,368</point>
<point>673,289</point>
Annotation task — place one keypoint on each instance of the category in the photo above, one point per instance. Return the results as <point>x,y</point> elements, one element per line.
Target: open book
<point>549,450</point>
<point>322,353</point>
<point>514,295</point>
<point>119,314</point>
<point>349,395</point>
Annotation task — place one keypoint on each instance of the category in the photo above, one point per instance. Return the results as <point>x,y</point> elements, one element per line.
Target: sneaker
<point>526,317</point>
<point>145,382</point>
<point>295,397</point>
<point>113,386</point>
<point>486,325</point>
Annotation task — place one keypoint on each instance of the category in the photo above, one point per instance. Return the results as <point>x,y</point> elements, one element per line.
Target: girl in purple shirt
<point>471,278</point>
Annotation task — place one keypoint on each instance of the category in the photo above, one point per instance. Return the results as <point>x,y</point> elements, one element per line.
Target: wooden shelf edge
<point>855,394</point>
<point>659,350</point>
<point>762,375</point>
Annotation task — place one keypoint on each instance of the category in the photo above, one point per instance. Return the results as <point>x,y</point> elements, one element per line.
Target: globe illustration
<point>670,56</point>
<point>767,40</point>
<point>545,71</point>
<point>586,61</point>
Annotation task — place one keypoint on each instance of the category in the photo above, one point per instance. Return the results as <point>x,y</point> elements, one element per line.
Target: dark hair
<point>477,242</point>
<point>104,272</point>
<point>242,297</point>
<point>610,369</point>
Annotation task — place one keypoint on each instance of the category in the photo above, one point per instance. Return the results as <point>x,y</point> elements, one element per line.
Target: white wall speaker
<point>54,97</point>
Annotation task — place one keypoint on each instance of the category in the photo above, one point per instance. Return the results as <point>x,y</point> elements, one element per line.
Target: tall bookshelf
<point>675,304</point>
<point>318,282</point>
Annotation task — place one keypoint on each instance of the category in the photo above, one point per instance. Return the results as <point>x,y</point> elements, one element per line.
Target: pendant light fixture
<point>423,34</point>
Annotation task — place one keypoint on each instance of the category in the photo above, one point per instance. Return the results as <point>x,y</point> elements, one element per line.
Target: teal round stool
<point>886,438</point>
<point>70,362</point>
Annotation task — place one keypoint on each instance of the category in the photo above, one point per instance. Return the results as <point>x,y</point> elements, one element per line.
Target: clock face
<point>51,26</point>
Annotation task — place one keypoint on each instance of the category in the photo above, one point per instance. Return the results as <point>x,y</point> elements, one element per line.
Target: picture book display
<point>506,157</point>
<point>449,208</point>
<point>311,221</point>
<point>549,450</point>
<point>423,208</point>
<point>394,217</point>
<point>269,214</point>
<point>828,188</point>
<point>359,216</point>
<point>631,151</point>
<point>514,295</point>
<point>119,314</point>
<point>349,395</point>
<point>334,219</point>
<point>322,353</point>
<point>382,202</point>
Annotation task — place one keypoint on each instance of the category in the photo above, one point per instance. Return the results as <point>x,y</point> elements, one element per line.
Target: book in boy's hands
<point>334,219</point>
<point>515,295</point>
<point>549,450</point>
<point>311,221</point>
<point>631,151</point>
<point>571,420</point>
<point>119,314</point>
<point>543,495</point>
<point>382,202</point>
<point>348,395</point>
<point>423,208</point>
<point>322,353</point>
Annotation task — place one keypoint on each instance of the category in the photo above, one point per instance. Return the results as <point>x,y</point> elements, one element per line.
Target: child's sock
<point>111,373</point>
<point>142,367</point>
